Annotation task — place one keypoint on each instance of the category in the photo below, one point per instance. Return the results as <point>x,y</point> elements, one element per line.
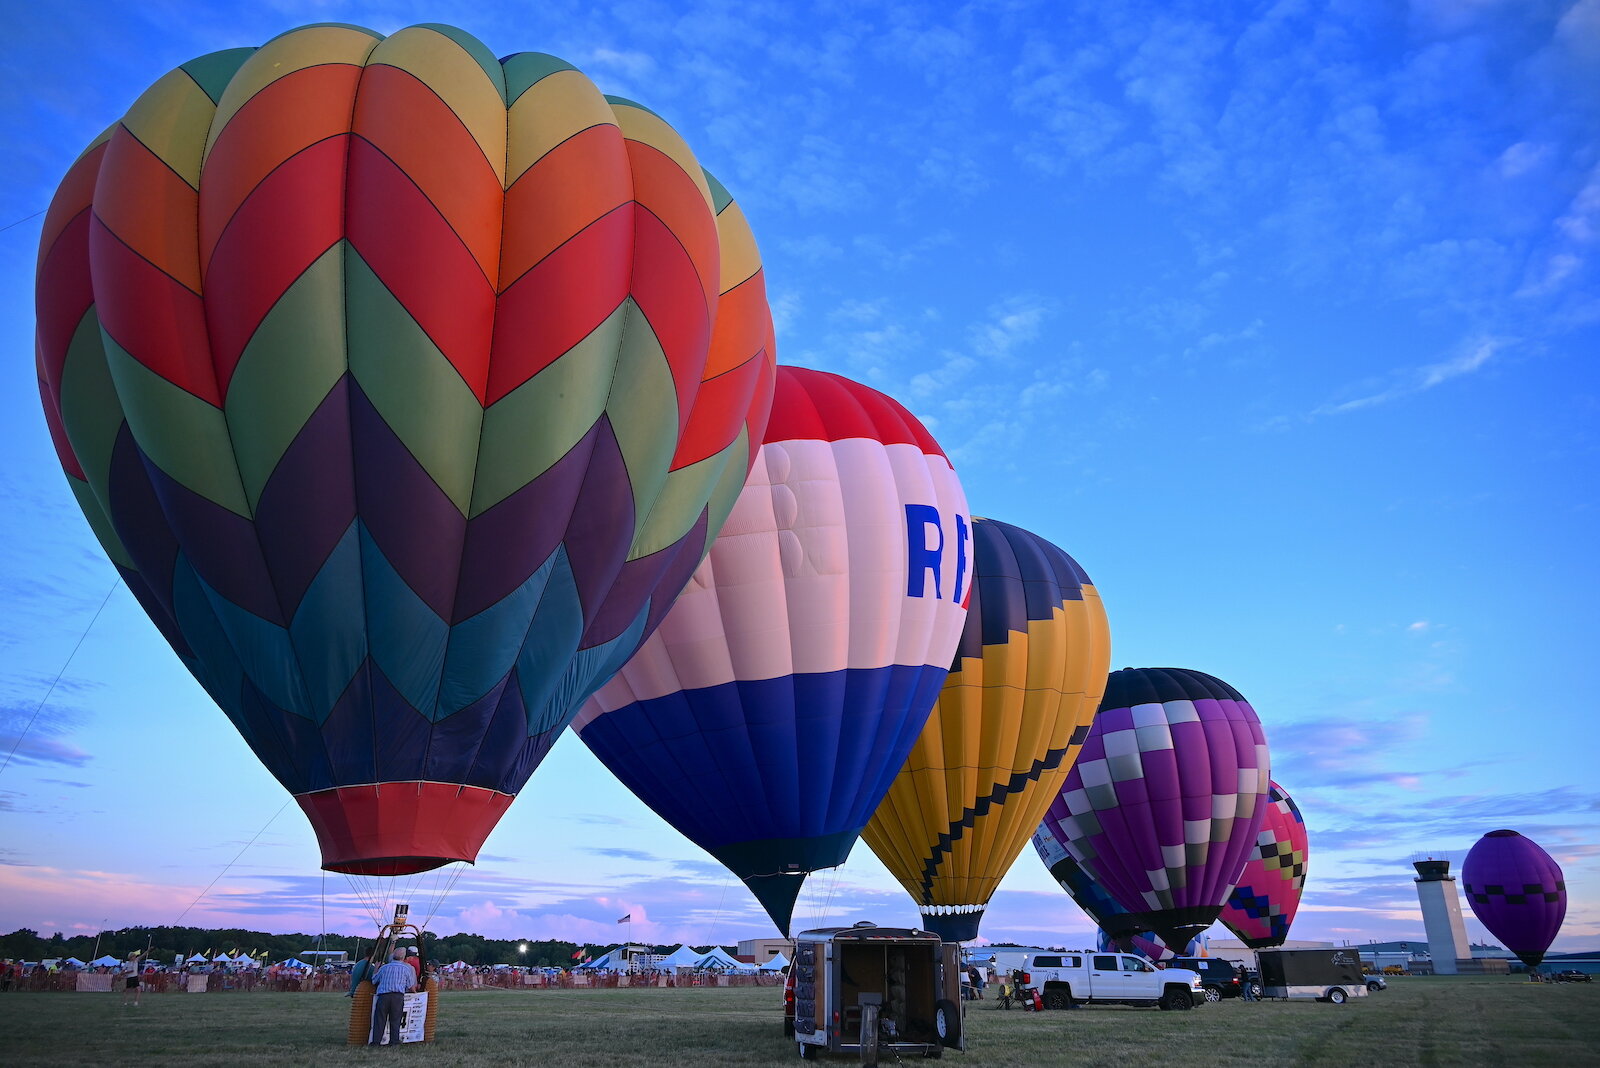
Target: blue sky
<point>1283,319</point>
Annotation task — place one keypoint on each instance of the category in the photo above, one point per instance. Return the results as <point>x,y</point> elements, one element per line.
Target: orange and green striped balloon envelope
<point>405,387</point>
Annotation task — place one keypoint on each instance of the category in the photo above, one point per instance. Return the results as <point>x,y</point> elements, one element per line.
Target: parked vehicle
<point>1065,980</point>
<point>875,991</point>
<point>1571,975</point>
<point>1312,974</point>
<point>1219,978</point>
<point>1376,983</point>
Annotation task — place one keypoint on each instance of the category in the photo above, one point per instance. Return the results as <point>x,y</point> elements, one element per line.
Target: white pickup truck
<point>1077,978</point>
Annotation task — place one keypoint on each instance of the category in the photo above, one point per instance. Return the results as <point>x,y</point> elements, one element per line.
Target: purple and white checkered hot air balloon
<point>1517,891</point>
<point>1167,797</point>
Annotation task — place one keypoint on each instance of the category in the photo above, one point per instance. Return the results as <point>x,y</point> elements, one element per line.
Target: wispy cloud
<point>1410,381</point>
<point>40,748</point>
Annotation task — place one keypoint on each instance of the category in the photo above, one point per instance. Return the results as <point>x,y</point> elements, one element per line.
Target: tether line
<point>56,681</point>
<point>232,862</point>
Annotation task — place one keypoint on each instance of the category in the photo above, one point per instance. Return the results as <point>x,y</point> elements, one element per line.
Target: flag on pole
<point>626,919</point>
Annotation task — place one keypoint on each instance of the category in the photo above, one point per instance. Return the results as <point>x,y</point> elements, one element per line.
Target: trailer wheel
<point>1336,996</point>
<point>947,1021</point>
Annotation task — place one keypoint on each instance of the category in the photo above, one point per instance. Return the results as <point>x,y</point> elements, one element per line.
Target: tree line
<point>165,943</point>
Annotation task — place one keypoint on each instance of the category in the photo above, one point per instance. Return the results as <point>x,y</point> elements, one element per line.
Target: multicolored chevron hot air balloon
<point>1166,799</point>
<point>768,715</point>
<point>1008,724</point>
<point>1517,891</point>
<point>405,387</point>
<point>1263,904</point>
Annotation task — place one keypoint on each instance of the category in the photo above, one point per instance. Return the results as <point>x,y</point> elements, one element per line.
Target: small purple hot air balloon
<point>1164,804</point>
<point>1517,891</point>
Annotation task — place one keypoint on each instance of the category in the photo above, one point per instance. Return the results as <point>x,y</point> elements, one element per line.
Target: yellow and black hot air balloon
<point>1013,712</point>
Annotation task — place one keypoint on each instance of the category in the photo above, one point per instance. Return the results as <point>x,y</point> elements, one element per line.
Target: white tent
<point>682,957</point>
<point>107,961</point>
<point>293,962</point>
<point>198,958</point>
<point>776,964</point>
<point>74,961</point>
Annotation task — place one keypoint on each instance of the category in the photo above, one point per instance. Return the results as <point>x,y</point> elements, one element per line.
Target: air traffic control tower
<point>1441,915</point>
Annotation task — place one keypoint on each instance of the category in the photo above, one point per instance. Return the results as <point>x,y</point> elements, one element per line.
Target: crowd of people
<point>133,977</point>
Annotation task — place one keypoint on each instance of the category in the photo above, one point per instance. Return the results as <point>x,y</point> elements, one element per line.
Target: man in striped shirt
<point>392,980</point>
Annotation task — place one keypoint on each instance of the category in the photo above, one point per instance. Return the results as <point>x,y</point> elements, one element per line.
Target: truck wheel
<point>869,1035</point>
<point>1057,998</point>
<point>1255,989</point>
<point>1175,998</point>
<point>947,1021</point>
<point>1213,994</point>
<point>1336,996</point>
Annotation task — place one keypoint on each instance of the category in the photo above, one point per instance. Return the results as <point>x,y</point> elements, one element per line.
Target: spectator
<point>415,960</point>
<point>131,984</point>
<point>393,981</point>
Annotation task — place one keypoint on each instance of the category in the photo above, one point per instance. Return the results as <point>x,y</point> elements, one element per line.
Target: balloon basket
<point>391,935</point>
<point>361,1013</point>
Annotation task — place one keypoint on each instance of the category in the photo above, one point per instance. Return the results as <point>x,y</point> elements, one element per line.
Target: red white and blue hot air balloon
<point>767,716</point>
<point>1166,799</point>
<point>1263,905</point>
<point>1517,891</point>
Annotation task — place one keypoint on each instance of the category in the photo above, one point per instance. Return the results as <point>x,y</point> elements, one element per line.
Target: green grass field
<point>1439,1021</point>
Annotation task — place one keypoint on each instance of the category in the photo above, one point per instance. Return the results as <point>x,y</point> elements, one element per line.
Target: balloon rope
<point>323,932</point>
<point>22,220</point>
<point>726,878</point>
<point>231,863</point>
<point>369,898</point>
<point>833,886</point>
<point>362,897</point>
<point>60,673</point>
<point>441,895</point>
